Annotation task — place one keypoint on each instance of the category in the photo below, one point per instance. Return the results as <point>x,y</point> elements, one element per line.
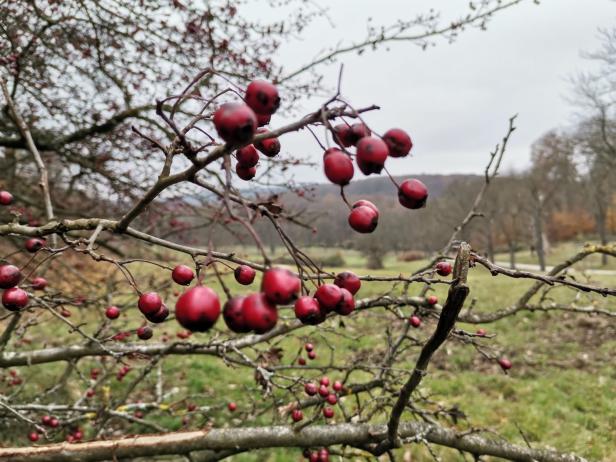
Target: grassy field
<point>561,391</point>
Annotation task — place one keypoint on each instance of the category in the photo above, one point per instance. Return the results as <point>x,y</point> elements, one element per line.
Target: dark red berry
<point>149,303</point>
<point>39,283</point>
<point>328,296</point>
<point>332,399</point>
<point>269,146</point>
<point>262,97</point>
<point>349,281</point>
<point>182,275</point>
<point>6,198</point>
<point>324,381</point>
<point>15,299</point>
<point>308,311</point>
<point>244,274</point>
<point>9,276</point>
<point>312,354</point>
<point>247,156</point>
<point>371,155</point>
<point>233,314</point>
<point>245,173</point>
<point>33,436</point>
<point>34,244</point>
<point>280,286</point>
<point>443,268</point>
<point>309,347</point>
<point>311,389</point>
<point>297,415</point>
<point>235,122</point>
<point>359,131</point>
<point>232,406</point>
<point>412,194</point>
<point>363,219</point>
<point>432,300</point>
<point>159,316</point>
<point>259,313</point>
<point>323,391</point>
<point>145,332</point>
<point>328,413</point>
<point>112,312</point>
<point>263,119</point>
<point>505,364</point>
<point>198,309</point>
<point>343,135</point>
<point>398,142</point>
<point>415,321</point>
<point>347,304</point>
<point>337,386</point>
<point>338,166</point>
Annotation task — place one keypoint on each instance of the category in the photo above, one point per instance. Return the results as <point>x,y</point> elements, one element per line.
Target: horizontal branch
<point>220,439</point>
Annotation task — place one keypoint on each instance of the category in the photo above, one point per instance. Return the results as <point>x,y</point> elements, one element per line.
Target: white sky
<point>455,99</point>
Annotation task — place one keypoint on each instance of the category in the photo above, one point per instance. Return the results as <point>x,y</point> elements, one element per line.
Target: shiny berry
<point>349,281</point>
<point>39,283</point>
<point>112,312</point>
<point>280,286</point>
<point>328,412</point>
<point>297,415</point>
<point>371,155</point>
<point>338,166</point>
<point>268,146</point>
<point>247,156</point>
<point>311,389</point>
<point>415,321</point>
<point>328,296</point>
<point>235,123</point>
<point>233,314</point>
<point>145,332</point>
<point>245,173</point>
<point>260,314</point>
<point>262,97</point>
<point>363,219</point>
<point>505,364</point>
<point>149,303</point>
<point>198,309</point>
<point>182,275</point>
<point>15,299</point>
<point>412,194</point>
<point>398,142</point>
<point>244,274</point>
<point>34,244</point>
<point>443,268</point>
<point>347,304</point>
<point>9,276</point>
<point>308,311</point>
<point>6,198</point>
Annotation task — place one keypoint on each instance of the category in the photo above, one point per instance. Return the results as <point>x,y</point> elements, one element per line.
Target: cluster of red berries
<point>371,154</point>
<point>336,297</point>
<point>122,372</point>
<point>322,455</point>
<point>13,297</point>
<point>310,352</point>
<point>236,123</point>
<point>329,396</point>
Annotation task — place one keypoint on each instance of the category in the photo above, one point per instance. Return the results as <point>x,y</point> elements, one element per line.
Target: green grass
<point>560,393</point>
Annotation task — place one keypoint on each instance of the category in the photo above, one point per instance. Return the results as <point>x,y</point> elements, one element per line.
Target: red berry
<point>90,393</point>
<point>301,361</point>
<point>313,457</point>
<point>324,455</point>
<point>297,415</point>
<point>347,304</point>
<point>145,332</point>
<point>39,283</point>
<point>371,155</point>
<point>432,300</point>
<point>245,173</point>
<point>6,198</point>
<point>94,373</point>
<point>182,275</point>
<point>235,122</point>
<point>328,296</point>
<point>159,316</point>
<point>337,386</point>
<point>244,274</point>
<point>149,303</point>
<point>78,435</point>
<point>260,315</point>
<point>363,219</point>
<point>247,157</point>
<point>9,276</point>
<point>15,299</point>
<point>308,311</point>
<point>505,364</point>
<point>366,203</point>
<point>338,166</point>
<point>481,332</point>
<point>233,314</point>
<point>280,286</point>
<point>359,131</point>
<point>332,399</point>
<point>328,412</point>
<point>309,347</point>
<point>443,268</point>
<point>415,321</point>
<point>343,135</point>
<point>112,312</point>
<point>34,244</point>
<point>349,281</point>
<point>262,97</point>
<point>324,381</point>
<point>398,142</point>
<point>310,389</point>
<point>269,146</point>
<point>46,420</point>
<point>412,194</point>
<point>232,406</point>
<point>312,354</point>
<point>263,119</point>
<point>198,309</point>
<point>323,391</point>
<point>54,423</point>
<point>191,407</point>
<point>33,436</point>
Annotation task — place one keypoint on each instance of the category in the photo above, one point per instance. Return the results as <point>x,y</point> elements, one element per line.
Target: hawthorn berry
<point>301,361</point>
<point>6,198</point>
<point>309,347</point>
<point>268,146</point>
<point>14,299</point>
<point>432,300</point>
<point>262,97</point>
<point>349,281</point>
<point>412,194</point>
<point>324,381</point>
<point>149,303</point>
<point>343,135</point>
<point>10,276</point>
<point>331,399</point>
<point>244,274</point>
<point>33,436</point>
<point>323,391</point>
<point>39,283</point>
<point>363,219</point>
<point>198,309</point>
<point>247,157</point>
<point>505,364</point>
<point>34,244</point>
<point>328,296</point>
<point>260,314</point>
<point>415,321</point>
<point>311,389</point>
<point>182,275</point>
<point>235,122</point>
<point>112,312</point>
<point>338,167</point>
<point>297,415</point>
<point>443,268</point>
<point>232,406</point>
<point>233,314</point>
<point>347,304</point>
<point>308,311</point>
<point>481,332</point>
<point>312,355</point>
<point>337,386</point>
<point>280,286</point>
<point>328,412</point>
<point>398,142</point>
<point>371,155</point>
<point>145,332</point>
<point>159,316</point>
<point>245,173</point>
<point>359,131</point>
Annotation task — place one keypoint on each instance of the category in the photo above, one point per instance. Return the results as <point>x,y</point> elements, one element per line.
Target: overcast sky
<point>455,99</point>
